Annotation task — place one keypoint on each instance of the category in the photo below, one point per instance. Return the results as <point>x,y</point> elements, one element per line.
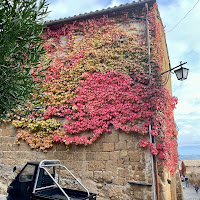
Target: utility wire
<point>183,17</point>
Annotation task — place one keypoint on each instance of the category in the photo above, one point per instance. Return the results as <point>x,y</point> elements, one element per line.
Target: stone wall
<point>105,167</point>
<point>179,188</point>
<point>192,169</point>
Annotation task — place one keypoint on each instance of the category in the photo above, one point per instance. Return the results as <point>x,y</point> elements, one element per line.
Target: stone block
<point>13,132</point>
<point>3,147</point>
<point>139,176</point>
<point>129,190</point>
<point>141,167</point>
<point>121,145</point>
<point>112,136</point>
<point>114,155</point>
<point>115,192</point>
<point>67,164</point>
<point>120,163</point>
<point>73,148</point>
<point>138,195</point>
<point>103,193</point>
<point>23,146</point>
<point>102,198</point>
<point>125,136</point>
<point>50,155</point>
<point>3,125</point>
<point>79,156</point>
<point>133,145</point>
<point>77,166</point>
<point>9,146</point>
<point>11,155</point>
<point>14,147</point>
<point>88,174</point>
<point>108,147</point>
<point>134,156</point>
<point>150,197</point>
<point>11,140</point>
<point>111,165</point>
<point>97,147</point>
<point>101,139</point>
<point>80,148</point>
<point>108,176</point>
<point>88,148</point>
<point>30,156</point>
<point>96,165</point>
<point>4,140</point>
<point>89,156</point>
<point>102,156</point>
<point>61,155</point>
<point>40,155</point>
<point>133,167</point>
<point>23,162</point>
<point>91,185</point>
<point>123,173</point>
<point>123,153</point>
<point>60,147</point>
<point>5,132</point>
<point>98,175</point>
<point>8,161</point>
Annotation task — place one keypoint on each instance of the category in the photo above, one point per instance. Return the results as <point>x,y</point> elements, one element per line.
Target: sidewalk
<point>190,194</point>
<point>2,197</point>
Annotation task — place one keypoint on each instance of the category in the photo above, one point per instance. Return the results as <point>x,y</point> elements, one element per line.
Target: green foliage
<point>21,49</point>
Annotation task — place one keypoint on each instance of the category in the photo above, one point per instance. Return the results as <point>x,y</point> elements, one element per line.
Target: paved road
<point>2,197</point>
<point>190,194</point>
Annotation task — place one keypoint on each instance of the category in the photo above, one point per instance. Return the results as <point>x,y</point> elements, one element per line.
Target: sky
<point>181,20</point>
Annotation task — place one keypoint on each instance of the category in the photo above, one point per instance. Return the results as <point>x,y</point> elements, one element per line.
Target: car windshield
<point>27,174</point>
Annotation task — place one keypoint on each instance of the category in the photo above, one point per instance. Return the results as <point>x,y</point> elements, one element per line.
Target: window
<point>27,174</point>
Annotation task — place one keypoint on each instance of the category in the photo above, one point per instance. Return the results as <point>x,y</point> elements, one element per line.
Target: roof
<point>33,162</point>
<point>139,4</point>
<point>191,163</point>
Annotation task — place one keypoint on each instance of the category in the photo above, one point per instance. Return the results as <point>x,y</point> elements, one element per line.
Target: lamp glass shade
<point>181,73</point>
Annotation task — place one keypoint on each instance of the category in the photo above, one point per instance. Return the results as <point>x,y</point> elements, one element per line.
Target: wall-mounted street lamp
<point>181,72</point>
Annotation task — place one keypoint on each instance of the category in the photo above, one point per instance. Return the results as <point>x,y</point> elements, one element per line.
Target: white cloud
<point>185,36</point>
<point>118,2</point>
<point>189,96</point>
<point>68,8</point>
<point>183,45</point>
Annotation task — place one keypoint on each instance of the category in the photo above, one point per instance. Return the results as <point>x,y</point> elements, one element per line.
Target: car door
<point>23,184</point>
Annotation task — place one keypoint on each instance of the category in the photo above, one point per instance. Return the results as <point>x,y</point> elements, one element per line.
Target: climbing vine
<point>163,118</point>
<point>98,80</point>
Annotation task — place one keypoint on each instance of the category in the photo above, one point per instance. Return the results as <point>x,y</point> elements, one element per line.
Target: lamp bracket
<point>181,64</point>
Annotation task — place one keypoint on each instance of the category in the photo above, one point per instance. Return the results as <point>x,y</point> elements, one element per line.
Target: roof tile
<point>100,12</point>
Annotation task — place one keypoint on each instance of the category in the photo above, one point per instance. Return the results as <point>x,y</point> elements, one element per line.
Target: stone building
<point>191,169</point>
<point>192,166</point>
<point>114,166</point>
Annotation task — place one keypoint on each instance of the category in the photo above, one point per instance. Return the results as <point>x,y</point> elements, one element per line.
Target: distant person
<point>186,181</point>
<point>182,179</point>
<point>196,187</point>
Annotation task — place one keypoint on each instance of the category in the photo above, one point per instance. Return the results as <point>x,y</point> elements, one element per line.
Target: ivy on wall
<point>98,80</point>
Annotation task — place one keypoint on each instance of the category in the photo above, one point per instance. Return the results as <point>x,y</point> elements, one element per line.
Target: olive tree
<point>21,26</point>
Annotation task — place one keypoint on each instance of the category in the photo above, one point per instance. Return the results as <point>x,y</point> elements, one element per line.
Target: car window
<point>27,174</point>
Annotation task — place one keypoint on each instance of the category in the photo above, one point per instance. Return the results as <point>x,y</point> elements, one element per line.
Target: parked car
<point>41,181</point>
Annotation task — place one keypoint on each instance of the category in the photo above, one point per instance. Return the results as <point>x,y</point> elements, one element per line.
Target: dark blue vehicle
<point>41,181</point>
